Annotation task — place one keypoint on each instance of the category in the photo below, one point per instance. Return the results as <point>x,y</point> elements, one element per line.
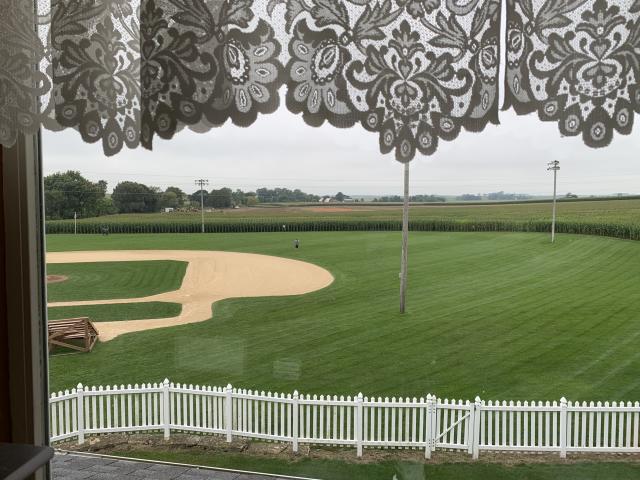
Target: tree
<point>132,197</point>
<point>221,198</point>
<point>195,198</point>
<point>180,195</point>
<point>251,199</point>
<point>469,197</point>
<point>69,192</point>
<point>239,198</point>
<point>281,195</point>
<point>106,207</point>
<point>340,197</point>
<point>169,200</point>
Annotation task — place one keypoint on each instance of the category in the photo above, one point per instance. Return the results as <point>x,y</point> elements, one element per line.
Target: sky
<point>280,150</point>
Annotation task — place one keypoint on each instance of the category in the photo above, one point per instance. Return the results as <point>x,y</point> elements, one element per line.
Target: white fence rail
<point>427,423</point>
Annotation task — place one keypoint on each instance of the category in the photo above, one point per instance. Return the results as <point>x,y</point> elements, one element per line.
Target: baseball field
<point>498,314</point>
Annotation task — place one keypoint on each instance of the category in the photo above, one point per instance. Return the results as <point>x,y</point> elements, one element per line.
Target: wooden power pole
<point>405,241</point>
<point>554,166</point>
<point>202,182</point>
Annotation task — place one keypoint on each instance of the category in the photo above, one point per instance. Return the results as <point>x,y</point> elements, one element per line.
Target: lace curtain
<point>415,72</point>
<point>575,62</point>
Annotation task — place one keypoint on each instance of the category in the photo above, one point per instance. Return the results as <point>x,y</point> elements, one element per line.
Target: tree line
<point>69,193</point>
<point>412,198</point>
<point>493,196</point>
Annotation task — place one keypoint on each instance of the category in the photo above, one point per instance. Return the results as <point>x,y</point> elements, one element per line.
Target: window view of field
<point>321,239</point>
<point>309,304</point>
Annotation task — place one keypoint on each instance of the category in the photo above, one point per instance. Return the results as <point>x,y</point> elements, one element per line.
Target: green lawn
<point>505,316</point>
<point>337,470</point>
<point>118,311</point>
<point>110,280</point>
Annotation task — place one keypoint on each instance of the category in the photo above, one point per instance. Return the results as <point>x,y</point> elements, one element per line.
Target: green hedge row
<point>630,232</point>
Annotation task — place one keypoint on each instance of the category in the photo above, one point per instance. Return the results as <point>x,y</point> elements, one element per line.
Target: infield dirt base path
<point>211,276</point>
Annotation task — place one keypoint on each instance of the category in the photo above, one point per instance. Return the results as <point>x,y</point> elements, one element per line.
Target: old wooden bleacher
<point>74,333</point>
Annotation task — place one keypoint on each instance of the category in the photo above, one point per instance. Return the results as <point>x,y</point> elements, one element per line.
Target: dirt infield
<point>210,277</point>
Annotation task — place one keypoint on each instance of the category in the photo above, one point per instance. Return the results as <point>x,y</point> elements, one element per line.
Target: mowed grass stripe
<point>118,311</point>
<point>114,280</point>
<point>329,469</point>
<point>498,315</point>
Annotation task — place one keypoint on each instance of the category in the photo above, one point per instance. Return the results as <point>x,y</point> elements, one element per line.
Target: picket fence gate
<point>427,423</point>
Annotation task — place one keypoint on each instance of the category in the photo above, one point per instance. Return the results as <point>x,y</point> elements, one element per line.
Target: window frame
<point>24,272</point>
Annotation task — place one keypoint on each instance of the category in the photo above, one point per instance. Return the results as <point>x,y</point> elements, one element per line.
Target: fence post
<point>80,413</point>
<point>428,428</point>
<point>434,423</point>
<point>476,427</point>
<point>295,420</point>
<point>472,426</point>
<point>359,421</point>
<point>563,428</point>
<point>228,413</point>
<point>166,409</point>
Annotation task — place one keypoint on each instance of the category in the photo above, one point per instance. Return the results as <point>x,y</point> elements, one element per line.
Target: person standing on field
<point>296,243</point>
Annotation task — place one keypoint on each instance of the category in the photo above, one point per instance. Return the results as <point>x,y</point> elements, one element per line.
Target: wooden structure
<point>74,333</point>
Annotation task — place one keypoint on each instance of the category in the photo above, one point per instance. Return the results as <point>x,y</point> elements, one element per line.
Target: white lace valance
<point>415,72</point>
<point>575,62</point>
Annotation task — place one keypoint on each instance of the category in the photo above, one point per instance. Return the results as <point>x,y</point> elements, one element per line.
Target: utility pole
<point>201,183</point>
<point>405,241</point>
<point>554,166</point>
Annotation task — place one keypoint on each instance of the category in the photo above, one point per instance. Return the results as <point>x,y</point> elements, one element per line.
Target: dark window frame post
<point>24,292</point>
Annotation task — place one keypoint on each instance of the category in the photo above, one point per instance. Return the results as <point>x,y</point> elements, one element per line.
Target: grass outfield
<point>336,470</point>
<point>505,316</point>
<point>110,280</point>
<point>118,311</point>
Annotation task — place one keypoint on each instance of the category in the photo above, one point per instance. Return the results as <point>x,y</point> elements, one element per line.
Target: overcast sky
<point>281,150</point>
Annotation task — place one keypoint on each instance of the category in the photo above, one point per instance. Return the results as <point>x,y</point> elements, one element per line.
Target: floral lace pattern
<point>20,85</point>
<point>413,72</point>
<point>96,70</point>
<point>122,71</point>
<point>575,62</point>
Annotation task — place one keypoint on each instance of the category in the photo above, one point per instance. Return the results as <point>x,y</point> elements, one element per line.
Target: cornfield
<point>613,218</point>
<point>630,232</point>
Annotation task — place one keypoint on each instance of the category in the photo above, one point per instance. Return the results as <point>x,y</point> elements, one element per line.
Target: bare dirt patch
<point>330,209</point>
<point>211,276</point>
<point>209,444</point>
<point>57,278</point>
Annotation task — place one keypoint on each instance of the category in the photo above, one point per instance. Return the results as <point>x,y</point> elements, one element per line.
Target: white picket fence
<point>427,423</point>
